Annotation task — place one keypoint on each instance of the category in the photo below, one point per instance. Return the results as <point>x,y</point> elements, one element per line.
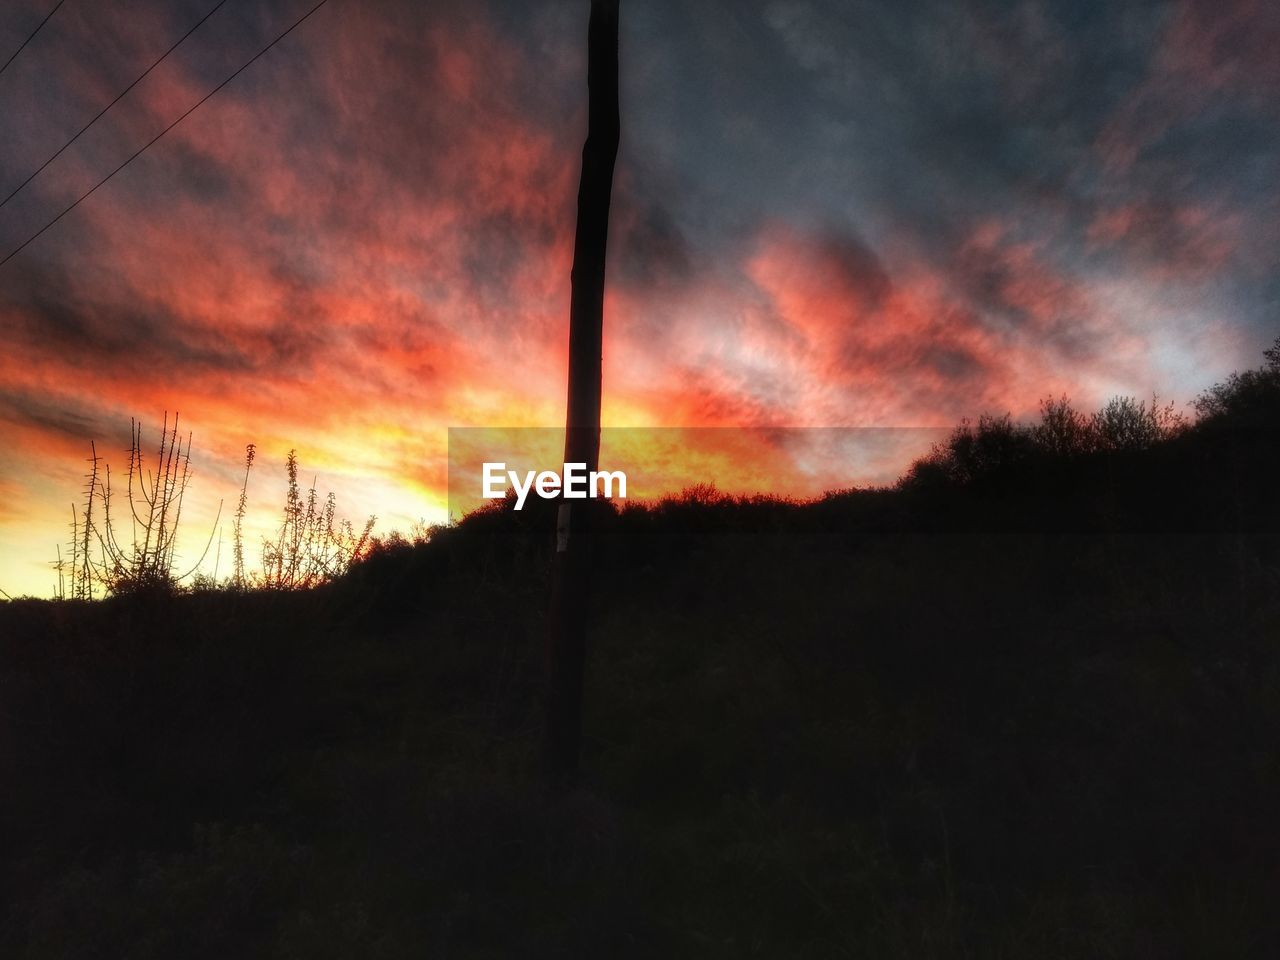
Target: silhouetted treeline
<point>1131,467</point>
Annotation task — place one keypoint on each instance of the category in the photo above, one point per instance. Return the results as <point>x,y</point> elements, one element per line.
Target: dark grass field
<point>1031,715</point>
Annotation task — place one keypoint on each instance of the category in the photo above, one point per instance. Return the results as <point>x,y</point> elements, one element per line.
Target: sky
<point>854,215</point>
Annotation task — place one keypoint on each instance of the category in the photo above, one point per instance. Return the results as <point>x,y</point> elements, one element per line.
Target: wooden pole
<point>567,628</point>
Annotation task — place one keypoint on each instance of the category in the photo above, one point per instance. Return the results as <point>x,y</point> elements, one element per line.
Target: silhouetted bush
<point>1063,431</point>
<point>973,451</point>
<point>1126,424</point>
<point>136,548</point>
<point>1251,399</point>
<point>312,546</point>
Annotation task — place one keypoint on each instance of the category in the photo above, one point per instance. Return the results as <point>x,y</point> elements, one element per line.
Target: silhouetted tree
<point>1063,431</point>
<point>1126,423</point>
<point>1251,397</point>
<point>972,451</point>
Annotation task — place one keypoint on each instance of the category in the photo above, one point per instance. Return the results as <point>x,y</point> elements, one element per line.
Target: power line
<point>16,190</point>
<point>88,193</point>
<point>13,56</point>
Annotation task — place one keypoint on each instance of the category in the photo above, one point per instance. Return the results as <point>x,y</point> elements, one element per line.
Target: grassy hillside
<point>1024,705</point>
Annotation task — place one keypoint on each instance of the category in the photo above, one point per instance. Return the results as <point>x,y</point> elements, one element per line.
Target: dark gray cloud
<point>651,248</point>
<point>53,414</point>
<point>127,335</point>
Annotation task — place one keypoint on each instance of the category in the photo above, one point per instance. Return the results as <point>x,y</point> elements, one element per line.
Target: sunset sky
<point>826,214</point>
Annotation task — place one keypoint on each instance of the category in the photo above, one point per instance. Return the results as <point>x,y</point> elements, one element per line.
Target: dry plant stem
<point>155,502</point>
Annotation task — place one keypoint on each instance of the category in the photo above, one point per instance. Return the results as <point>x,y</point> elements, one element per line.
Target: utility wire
<point>14,56</point>
<point>84,196</point>
<point>16,190</point>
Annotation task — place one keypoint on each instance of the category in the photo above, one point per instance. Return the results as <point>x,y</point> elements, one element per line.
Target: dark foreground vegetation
<point>1024,705</point>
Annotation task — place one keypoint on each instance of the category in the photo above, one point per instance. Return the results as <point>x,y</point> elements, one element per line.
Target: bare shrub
<point>136,552</point>
<point>312,547</point>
